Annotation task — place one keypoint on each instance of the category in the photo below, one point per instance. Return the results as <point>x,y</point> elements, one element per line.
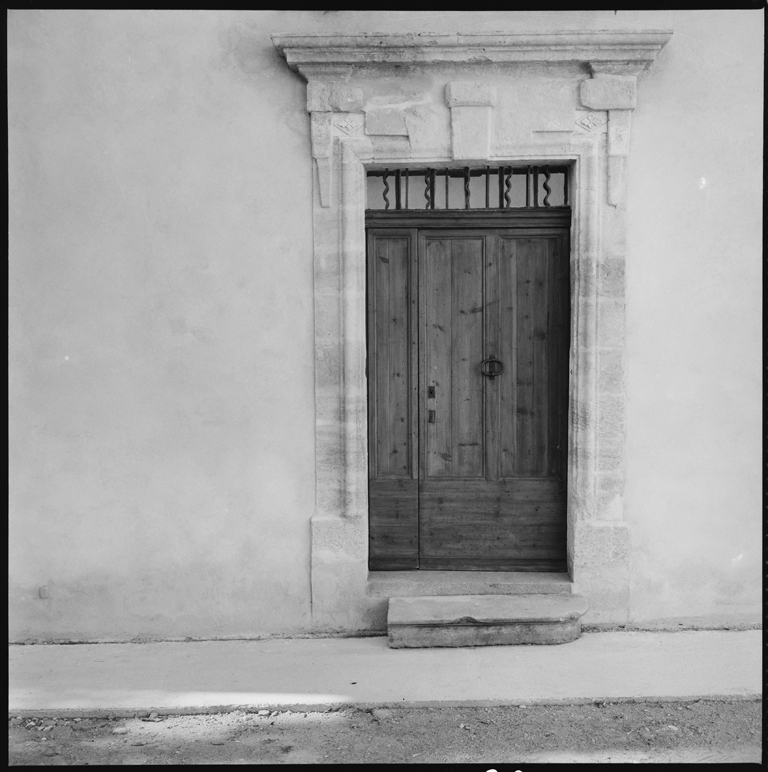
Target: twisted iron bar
<point>386,189</point>
<point>426,188</point>
<point>508,187</point>
<point>547,175</point>
<point>466,187</point>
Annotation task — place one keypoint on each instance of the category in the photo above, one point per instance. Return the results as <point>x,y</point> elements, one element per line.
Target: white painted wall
<point>161,318</point>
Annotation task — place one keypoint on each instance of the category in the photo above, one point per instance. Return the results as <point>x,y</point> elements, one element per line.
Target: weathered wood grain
<point>392,399</point>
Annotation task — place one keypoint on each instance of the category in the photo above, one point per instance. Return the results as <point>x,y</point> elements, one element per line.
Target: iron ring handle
<point>490,374</point>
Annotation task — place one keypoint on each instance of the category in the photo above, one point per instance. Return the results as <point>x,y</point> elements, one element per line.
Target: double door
<point>468,337</point>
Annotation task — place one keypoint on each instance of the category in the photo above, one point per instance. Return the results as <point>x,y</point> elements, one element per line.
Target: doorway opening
<point>468,333</point>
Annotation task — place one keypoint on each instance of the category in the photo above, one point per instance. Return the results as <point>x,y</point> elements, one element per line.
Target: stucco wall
<point>161,318</point>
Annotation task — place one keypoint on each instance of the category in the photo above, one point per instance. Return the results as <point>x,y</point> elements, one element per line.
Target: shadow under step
<point>484,620</point>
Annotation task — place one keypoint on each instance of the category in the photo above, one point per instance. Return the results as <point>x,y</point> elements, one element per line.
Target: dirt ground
<point>673,732</point>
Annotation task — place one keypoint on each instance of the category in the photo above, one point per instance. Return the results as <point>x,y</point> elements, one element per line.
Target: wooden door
<point>468,472</point>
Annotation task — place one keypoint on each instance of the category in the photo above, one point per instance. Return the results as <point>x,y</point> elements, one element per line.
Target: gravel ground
<point>673,732</point>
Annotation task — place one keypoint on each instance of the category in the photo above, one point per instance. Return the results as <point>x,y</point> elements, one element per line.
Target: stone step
<point>399,584</point>
<point>484,620</point>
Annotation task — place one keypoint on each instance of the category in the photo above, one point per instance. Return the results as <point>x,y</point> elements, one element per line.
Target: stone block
<point>484,620</point>
<point>429,130</point>
<point>610,421</point>
<point>387,147</point>
<point>611,371</point>
<point>610,496</point>
<point>610,454</point>
<point>598,543</point>
<point>471,132</point>
<point>385,121</point>
<point>609,92</point>
<point>611,278</point>
<point>337,604</point>
<point>611,324</point>
<point>555,120</point>
<point>469,93</point>
<point>326,96</point>
<point>607,586</point>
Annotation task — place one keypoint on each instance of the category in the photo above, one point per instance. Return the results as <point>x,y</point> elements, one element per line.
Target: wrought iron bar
<point>386,189</point>
<point>535,186</point>
<point>501,187</point>
<point>487,187</point>
<point>426,187</point>
<point>508,188</point>
<point>528,186</point>
<point>398,203</point>
<point>432,188</point>
<point>446,189</point>
<point>466,187</point>
<point>407,186</point>
<point>547,175</point>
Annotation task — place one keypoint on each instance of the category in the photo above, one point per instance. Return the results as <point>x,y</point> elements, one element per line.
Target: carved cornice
<point>635,48</point>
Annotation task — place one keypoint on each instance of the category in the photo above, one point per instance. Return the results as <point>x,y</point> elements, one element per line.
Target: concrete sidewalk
<point>124,678</point>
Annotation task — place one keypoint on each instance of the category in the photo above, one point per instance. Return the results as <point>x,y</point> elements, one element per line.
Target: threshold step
<point>399,584</point>
<point>484,620</point>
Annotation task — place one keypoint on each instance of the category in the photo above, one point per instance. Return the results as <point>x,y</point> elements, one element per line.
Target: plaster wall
<point>161,318</point>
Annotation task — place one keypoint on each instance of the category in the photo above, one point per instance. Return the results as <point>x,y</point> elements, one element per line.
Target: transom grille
<point>484,187</point>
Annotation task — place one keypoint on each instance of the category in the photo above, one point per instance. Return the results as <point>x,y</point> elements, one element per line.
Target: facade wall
<point>161,318</point>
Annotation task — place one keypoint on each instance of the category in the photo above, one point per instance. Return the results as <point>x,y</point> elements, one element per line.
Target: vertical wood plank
<point>392,364</point>
<point>541,398</point>
<point>468,426</point>
<point>494,345</point>
<point>508,310</point>
<point>524,385</point>
<point>413,335</point>
<point>436,327</point>
<point>452,327</point>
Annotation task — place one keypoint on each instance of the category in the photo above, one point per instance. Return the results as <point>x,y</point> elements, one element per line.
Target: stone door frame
<point>350,135</point>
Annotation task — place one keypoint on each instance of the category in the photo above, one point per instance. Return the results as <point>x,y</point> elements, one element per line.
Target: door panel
<point>530,344</point>
<point>468,472</point>
<point>452,334</point>
<point>392,411</point>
